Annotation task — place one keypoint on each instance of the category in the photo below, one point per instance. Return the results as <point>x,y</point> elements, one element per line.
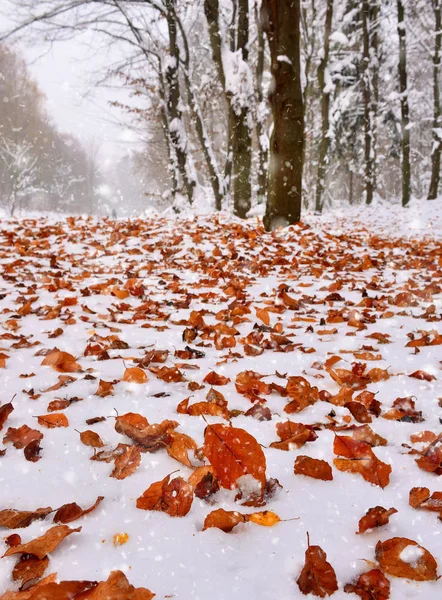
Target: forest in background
<point>203,75</point>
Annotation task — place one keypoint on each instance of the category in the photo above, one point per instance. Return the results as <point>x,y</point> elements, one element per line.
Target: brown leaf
<point>92,439</point>
<point>302,394</point>
<point>420,497</point>
<point>127,462</point>
<point>151,437</point>
<point>312,467</point>
<point>172,496</point>
<point>47,589</point>
<point>233,452</point>
<point>22,436</point>
<point>375,517</point>
<point>372,585</point>
<point>423,376</point>
<point>213,378</point>
<point>226,520</point>
<point>53,420</point>
<point>402,557</point>
<point>168,374</point>
<point>117,587</point>
<point>293,435</point>
<point>5,411</point>
<point>178,447</point>
<point>360,458</point>
<point>105,388</point>
<point>63,362</point>
<point>15,519</point>
<point>215,409</point>
<point>317,576</point>
<point>44,544</point>
<point>135,375</point>
<point>32,451</point>
<point>28,568</point>
<point>71,512</point>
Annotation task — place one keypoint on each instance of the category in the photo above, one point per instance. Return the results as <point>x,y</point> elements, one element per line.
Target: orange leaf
<point>375,517</point>
<point>127,462</point>
<point>402,557</point>
<point>53,420</point>
<point>90,438</point>
<point>360,458</point>
<point>63,362</point>
<point>213,378</point>
<point>372,585</point>
<point>178,447</point>
<point>312,467</point>
<point>317,576</point>
<point>135,375</point>
<point>173,497</point>
<point>233,452</point>
<point>44,544</point>
<point>263,315</point>
<point>117,587</point>
<point>15,519</point>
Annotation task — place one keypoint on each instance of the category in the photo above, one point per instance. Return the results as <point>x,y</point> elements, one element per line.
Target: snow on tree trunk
<point>437,115</point>
<point>405,110</point>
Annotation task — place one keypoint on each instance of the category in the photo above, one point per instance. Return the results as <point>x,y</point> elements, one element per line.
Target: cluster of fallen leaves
<point>222,322</point>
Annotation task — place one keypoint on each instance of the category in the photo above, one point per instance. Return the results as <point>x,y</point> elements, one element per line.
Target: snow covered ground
<point>359,284</point>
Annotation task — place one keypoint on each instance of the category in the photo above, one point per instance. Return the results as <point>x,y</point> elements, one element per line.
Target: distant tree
<point>20,172</point>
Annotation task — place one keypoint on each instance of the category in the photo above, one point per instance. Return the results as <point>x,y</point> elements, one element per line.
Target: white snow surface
<point>172,556</point>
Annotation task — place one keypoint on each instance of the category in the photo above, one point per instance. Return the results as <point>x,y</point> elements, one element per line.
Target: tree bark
<point>176,127</point>
<point>284,197</point>
<point>367,93</point>
<point>239,143</point>
<point>405,110</point>
<point>437,116</point>
<point>325,108</point>
<point>260,117</point>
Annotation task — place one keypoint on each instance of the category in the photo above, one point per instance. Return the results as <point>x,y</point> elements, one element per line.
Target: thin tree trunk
<point>211,163</point>
<point>176,127</point>
<point>374,64</point>
<point>437,120</point>
<point>260,118</point>
<point>405,110</point>
<point>239,144</point>
<point>366,84</point>
<point>281,21</point>
<point>325,108</point>
<point>310,42</point>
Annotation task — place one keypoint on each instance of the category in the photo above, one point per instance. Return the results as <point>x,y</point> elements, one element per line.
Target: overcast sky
<point>67,74</point>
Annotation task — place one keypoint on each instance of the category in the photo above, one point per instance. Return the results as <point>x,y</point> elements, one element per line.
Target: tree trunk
<point>239,143</point>
<point>405,110</point>
<point>284,197</point>
<point>176,127</point>
<point>437,120</point>
<point>260,117</point>
<point>211,163</point>
<point>368,120</point>
<point>325,108</point>
<point>374,65</point>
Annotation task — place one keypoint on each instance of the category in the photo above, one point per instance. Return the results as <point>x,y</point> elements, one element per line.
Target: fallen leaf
<point>233,452</point>
<point>312,467</point>
<point>401,557</point>
<point>178,447</point>
<point>127,462</point>
<point>22,436</point>
<point>135,375</point>
<point>28,568</point>
<point>90,438</point>
<point>372,585</point>
<point>53,420</point>
<point>5,411</point>
<point>15,519</point>
<point>120,539</point>
<point>317,576</point>
<point>71,512</point>
<point>360,458</point>
<point>172,496</point>
<point>63,362</point>
<point>44,544</point>
<point>375,517</point>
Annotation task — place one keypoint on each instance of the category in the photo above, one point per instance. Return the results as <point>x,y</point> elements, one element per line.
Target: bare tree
<point>437,113</point>
<point>235,81</point>
<point>405,109</point>
<point>21,170</point>
<point>281,22</point>
<point>325,88</point>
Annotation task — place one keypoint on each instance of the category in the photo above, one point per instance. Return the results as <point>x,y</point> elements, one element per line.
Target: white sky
<point>67,73</point>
